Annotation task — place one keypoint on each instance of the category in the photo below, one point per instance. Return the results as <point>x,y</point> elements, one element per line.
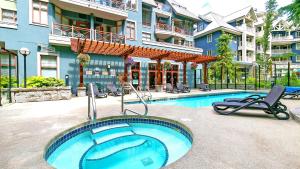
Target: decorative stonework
<point>22,95</point>
<point>81,91</point>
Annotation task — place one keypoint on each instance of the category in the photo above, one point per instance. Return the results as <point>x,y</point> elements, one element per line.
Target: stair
<point>101,129</point>
<point>103,139</point>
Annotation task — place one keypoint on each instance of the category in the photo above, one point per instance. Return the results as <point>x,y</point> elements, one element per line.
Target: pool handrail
<point>91,96</point>
<point>140,98</point>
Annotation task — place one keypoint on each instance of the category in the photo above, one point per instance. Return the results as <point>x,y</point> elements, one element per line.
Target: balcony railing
<point>85,33</point>
<point>116,4</point>
<point>281,51</point>
<point>174,29</point>
<point>279,38</point>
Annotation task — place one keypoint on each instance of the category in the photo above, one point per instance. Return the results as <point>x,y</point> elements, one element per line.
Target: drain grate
<point>147,161</point>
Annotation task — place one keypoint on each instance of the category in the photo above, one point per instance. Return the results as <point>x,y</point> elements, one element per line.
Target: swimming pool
<point>127,143</point>
<point>200,100</point>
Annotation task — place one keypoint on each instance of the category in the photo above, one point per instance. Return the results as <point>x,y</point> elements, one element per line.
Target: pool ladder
<point>146,94</point>
<point>140,98</point>
<point>91,101</point>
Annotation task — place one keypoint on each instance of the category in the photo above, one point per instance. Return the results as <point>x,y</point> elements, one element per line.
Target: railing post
<point>288,75</point>
<point>221,77</point>
<point>215,78</point>
<point>259,77</point>
<point>111,36</point>
<point>122,100</point>
<point>52,27</point>
<point>245,71</point>
<point>227,78</point>
<point>72,31</point>
<point>255,76</point>
<point>235,77</point>
<point>275,74</point>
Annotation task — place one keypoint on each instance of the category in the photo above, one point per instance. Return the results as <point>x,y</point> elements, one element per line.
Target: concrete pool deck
<point>244,140</point>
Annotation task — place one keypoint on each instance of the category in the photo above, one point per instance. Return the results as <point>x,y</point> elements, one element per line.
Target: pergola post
<point>158,73</point>
<point>205,73</point>
<point>184,72</point>
<point>81,75</point>
<point>125,78</point>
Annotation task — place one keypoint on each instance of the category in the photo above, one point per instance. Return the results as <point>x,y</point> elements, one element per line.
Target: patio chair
<point>270,105</point>
<point>113,90</point>
<point>291,92</point>
<point>97,93</point>
<point>246,99</point>
<point>204,87</point>
<point>183,88</point>
<point>170,88</point>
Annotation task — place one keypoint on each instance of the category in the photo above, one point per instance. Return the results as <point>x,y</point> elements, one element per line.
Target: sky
<point>225,7</point>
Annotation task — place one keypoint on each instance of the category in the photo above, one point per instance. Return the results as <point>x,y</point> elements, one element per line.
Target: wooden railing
<point>166,27</point>
<point>109,37</point>
<point>162,26</point>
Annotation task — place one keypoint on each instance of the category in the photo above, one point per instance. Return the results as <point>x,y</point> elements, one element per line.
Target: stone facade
<point>22,95</point>
<point>81,91</point>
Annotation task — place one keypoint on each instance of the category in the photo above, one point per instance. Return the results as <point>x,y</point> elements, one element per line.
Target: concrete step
<point>110,127</point>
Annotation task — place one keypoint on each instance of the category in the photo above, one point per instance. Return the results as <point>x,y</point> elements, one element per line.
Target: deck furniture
<point>270,104</point>
<point>183,88</point>
<point>291,92</point>
<point>170,88</point>
<point>204,87</point>
<point>113,90</point>
<point>98,93</point>
<point>246,99</point>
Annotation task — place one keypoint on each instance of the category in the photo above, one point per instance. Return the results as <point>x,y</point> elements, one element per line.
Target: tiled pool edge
<point>61,138</point>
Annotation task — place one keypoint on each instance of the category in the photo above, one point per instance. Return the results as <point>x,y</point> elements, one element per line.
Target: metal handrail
<point>141,99</point>
<point>91,95</point>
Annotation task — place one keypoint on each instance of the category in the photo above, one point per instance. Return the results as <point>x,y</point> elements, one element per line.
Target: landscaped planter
<point>23,95</point>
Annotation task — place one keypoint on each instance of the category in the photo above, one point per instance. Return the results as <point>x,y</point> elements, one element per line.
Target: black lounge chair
<point>113,90</point>
<point>204,87</point>
<point>183,88</point>
<point>246,99</point>
<point>270,105</point>
<point>97,93</point>
<point>291,92</point>
<point>170,88</point>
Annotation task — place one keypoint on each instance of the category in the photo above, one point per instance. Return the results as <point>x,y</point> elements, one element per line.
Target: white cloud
<point>225,7</point>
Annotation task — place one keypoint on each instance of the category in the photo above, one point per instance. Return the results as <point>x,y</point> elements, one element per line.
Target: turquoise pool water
<point>121,146</point>
<point>202,101</point>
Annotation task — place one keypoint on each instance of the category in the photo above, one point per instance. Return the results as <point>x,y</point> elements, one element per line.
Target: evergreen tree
<point>293,12</point>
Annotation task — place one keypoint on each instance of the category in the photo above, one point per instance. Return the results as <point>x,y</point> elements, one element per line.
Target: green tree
<point>225,56</point>
<point>292,11</point>
<point>271,6</point>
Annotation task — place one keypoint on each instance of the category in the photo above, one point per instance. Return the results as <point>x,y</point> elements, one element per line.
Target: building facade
<point>46,26</point>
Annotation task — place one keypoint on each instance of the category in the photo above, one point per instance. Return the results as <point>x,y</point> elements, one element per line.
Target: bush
<point>294,81</point>
<point>38,82</point>
<point>5,81</point>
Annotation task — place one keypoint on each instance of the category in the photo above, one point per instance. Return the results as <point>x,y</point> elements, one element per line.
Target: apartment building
<point>45,27</point>
<point>284,43</point>
<point>240,24</point>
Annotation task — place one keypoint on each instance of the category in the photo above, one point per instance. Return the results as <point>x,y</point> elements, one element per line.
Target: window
<point>297,46</point>
<point>39,12</point>
<point>146,17</point>
<point>146,36</point>
<point>209,52</point>
<point>9,16</point>
<point>201,27</point>
<point>297,34</point>
<point>209,38</point>
<point>131,4</point>
<point>49,66</point>
<point>130,30</point>
<point>298,58</point>
<point>4,65</point>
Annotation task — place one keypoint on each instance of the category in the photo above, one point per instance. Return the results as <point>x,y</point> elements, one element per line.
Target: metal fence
<point>255,77</point>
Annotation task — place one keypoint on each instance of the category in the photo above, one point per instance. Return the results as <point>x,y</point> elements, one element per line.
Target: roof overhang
<point>199,34</point>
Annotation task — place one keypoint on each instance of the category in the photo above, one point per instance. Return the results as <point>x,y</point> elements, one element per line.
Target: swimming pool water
<point>202,101</point>
<point>136,146</point>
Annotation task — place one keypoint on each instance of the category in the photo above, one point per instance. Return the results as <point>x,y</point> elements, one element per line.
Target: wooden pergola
<point>125,51</point>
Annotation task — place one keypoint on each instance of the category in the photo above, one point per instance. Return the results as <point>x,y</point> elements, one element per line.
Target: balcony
<point>107,9</point>
<point>281,51</point>
<point>165,31</point>
<point>247,29</point>
<point>182,48</point>
<point>61,34</point>
<point>249,46</point>
<point>282,39</point>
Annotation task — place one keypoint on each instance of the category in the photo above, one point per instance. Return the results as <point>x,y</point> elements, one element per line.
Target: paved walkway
<point>245,140</point>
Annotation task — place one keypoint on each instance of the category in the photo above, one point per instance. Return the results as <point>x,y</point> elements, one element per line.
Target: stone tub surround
<point>23,95</point>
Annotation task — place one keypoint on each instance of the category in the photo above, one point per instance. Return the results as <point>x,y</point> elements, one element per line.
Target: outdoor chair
<point>97,93</point>
<point>113,90</point>
<point>270,105</point>
<point>246,99</point>
<point>170,88</point>
<point>291,92</point>
<point>183,88</point>
<point>204,87</point>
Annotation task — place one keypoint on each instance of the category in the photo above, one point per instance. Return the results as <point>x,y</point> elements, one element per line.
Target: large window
<point>146,36</point>
<point>4,65</point>
<point>298,58</point>
<point>39,12</point>
<point>146,17</point>
<point>9,16</point>
<point>130,30</point>
<point>8,12</point>
<point>297,34</point>
<point>209,38</point>
<point>297,46</point>
<point>131,4</point>
<point>49,66</point>
<point>209,52</point>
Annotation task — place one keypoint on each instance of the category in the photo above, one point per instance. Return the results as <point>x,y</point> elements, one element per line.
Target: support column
<point>92,26</point>
<point>81,75</point>
<point>184,72</point>
<point>205,77</point>
<point>125,77</point>
<point>158,72</point>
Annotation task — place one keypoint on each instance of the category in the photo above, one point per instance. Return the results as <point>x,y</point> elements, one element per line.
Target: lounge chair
<point>183,88</point>
<point>291,92</point>
<point>204,87</point>
<point>246,99</point>
<point>270,105</point>
<point>97,93</point>
<point>170,88</point>
<point>113,90</point>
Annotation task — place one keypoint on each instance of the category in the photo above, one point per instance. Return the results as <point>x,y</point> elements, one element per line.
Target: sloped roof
<point>217,23</point>
<point>181,10</point>
<point>150,2</point>
<point>239,14</point>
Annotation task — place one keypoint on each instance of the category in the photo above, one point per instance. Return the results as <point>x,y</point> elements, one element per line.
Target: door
<point>152,80</point>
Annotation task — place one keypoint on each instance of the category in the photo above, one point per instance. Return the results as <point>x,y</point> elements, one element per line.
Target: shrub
<point>5,81</point>
<point>294,81</point>
<point>38,82</point>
